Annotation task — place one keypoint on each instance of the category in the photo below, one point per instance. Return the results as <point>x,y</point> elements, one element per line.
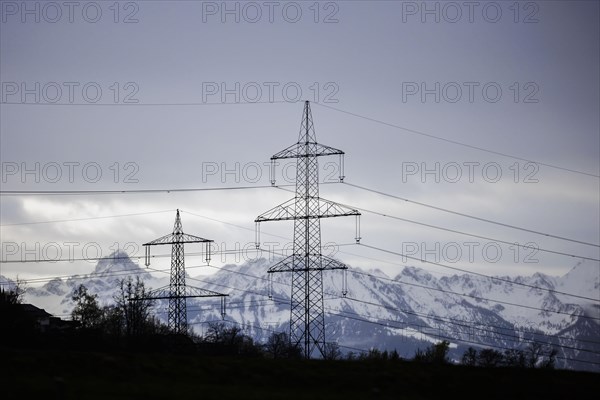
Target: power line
<point>234,225</point>
<point>497,330</point>
<point>423,287</point>
<point>280,254</point>
<point>412,131</point>
<point>85,219</point>
<point>233,252</point>
<point>452,292</point>
<point>127,191</point>
<point>471,296</point>
<point>468,272</point>
<point>50,260</point>
<point>230,306</point>
<point>471,216</point>
<point>523,246</point>
<point>453,321</point>
<point>227,252</point>
<point>455,142</point>
<point>282,187</point>
<point>37,261</point>
<point>148,104</point>
<point>477,273</point>
<point>124,272</point>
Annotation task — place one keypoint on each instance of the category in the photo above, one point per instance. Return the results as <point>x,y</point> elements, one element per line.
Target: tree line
<point>129,323</point>
<point>535,355</point>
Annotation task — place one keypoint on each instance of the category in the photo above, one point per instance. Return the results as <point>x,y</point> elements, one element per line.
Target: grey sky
<point>371,59</point>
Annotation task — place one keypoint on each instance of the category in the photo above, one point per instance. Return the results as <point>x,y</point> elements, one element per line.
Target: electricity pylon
<point>307,318</point>
<point>177,292</point>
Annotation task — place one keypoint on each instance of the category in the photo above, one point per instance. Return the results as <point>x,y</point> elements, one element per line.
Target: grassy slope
<point>74,375</point>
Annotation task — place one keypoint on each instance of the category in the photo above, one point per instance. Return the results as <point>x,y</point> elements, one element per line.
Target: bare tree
<point>515,358</point>
<point>435,354</point>
<point>469,357</point>
<point>20,289</point>
<point>489,358</point>
<point>278,346</point>
<point>541,356</point>
<point>133,304</point>
<point>218,332</point>
<point>534,354</point>
<point>332,351</point>
<point>8,298</point>
<point>549,359</point>
<point>15,294</point>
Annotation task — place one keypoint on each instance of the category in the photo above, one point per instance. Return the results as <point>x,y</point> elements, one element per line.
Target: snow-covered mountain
<point>405,312</point>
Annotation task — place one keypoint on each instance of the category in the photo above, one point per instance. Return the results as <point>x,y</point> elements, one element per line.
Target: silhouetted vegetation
<point>434,354</point>
<point>141,375</point>
<point>229,340</point>
<point>121,351</point>
<point>278,346</point>
<point>536,355</point>
<point>87,311</point>
<point>373,354</point>
<point>129,324</point>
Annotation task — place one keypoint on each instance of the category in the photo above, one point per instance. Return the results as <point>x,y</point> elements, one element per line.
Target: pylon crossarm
<point>298,150</point>
<point>287,211</point>
<point>198,292</point>
<point>282,212</point>
<point>177,238</point>
<point>296,263</point>
<point>284,265</point>
<point>330,263</point>
<point>328,208</point>
<point>189,292</point>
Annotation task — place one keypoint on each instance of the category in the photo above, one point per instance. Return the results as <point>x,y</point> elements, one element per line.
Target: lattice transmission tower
<point>177,291</point>
<point>306,264</point>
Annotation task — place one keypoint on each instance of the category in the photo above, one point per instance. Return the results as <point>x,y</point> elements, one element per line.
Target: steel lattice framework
<point>177,292</point>
<point>306,264</point>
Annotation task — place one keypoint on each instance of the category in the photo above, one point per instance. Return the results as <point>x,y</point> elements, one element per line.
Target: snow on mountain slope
<point>530,303</point>
<point>55,296</point>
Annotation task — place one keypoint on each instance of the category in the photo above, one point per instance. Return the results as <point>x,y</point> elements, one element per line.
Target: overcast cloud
<point>465,106</point>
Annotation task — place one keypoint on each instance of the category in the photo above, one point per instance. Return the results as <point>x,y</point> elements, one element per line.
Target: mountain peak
<point>583,279</point>
<point>118,261</point>
<point>415,273</point>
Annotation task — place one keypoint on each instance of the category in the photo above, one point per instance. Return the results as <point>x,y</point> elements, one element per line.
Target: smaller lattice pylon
<point>177,291</point>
